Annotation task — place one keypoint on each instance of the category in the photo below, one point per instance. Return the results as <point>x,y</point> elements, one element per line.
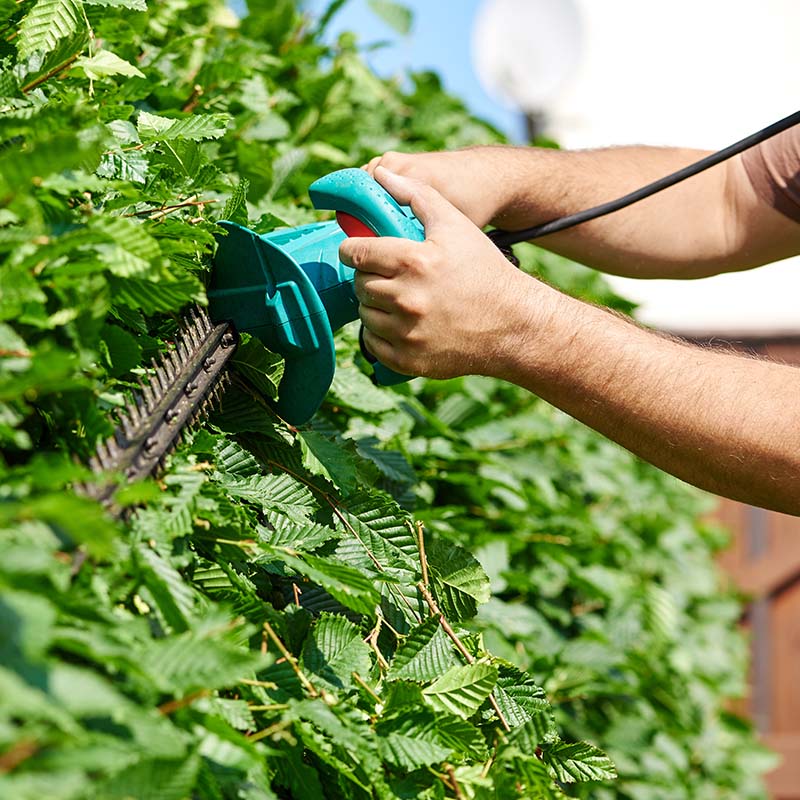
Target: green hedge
<point>263,625</point>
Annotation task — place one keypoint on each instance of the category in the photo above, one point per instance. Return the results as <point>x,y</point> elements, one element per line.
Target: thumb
<point>429,207</point>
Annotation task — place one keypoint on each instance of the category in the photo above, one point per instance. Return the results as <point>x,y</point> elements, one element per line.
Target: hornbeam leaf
<point>335,650</point>
<point>349,586</point>
<point>579,761</point>
<point>104,63</point>
<point>165,779</point>
<point>262,368</point>
<point>462,690</point>
<point>153,128</point>
<point>279,492</point>
<point>425,654</point>
<point>47,23</point>
<point>540,728</point>
<point>133,5</point>
<point>419,737</point>
<point>457,578</point>
<point>519,698</point>
<point>174,596</point>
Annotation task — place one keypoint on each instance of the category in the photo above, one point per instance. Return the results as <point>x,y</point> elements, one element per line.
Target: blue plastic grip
<point>356,193</point>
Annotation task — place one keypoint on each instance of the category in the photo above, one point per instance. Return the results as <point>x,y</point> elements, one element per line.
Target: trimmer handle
<point>364,208</point>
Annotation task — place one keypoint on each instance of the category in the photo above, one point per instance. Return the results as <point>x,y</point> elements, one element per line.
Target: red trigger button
<point>353,226</point>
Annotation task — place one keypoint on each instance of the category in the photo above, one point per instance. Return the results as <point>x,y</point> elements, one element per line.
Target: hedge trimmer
<point>289,289</point>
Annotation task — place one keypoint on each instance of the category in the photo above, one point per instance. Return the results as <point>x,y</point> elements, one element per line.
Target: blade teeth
<point>127,424</point>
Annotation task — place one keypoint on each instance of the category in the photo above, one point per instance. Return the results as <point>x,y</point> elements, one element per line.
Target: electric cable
<point>504,239</point>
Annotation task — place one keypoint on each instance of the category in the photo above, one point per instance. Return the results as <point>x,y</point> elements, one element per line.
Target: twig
<point>278,726</point>
<point>307,685</point>
<point>372,641</point>
<point>423,558</point>
<point>174,705</point>
<point>436,611</point>
<point>456,788</point>
<point>15,353</point>
<point>46,77</point>
<point>262,684</point>
<point>296,591</point>
<point>271,707</point>
<point>157,213</point>
<point>20,752</point>
<point>191,103</point>
<point>360,681</point>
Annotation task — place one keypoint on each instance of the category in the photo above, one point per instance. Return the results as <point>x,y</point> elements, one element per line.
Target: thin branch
<point>278,726</point>
<point>436,611</point>
<point>423,558</point>
<point>51,74</point>
<point>262,684</point>
<point>271,707</point>
<point>307,685</point>
<point>19,752</point>
<point>174,705</point>
<point>368,689</point>
<point>456,788</point>
<point>157,213</point>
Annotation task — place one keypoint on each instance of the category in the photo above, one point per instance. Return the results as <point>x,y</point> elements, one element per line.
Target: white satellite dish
<point>524,51</point>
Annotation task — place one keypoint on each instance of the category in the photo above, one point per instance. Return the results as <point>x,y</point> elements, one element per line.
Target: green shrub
<point>264,625</point>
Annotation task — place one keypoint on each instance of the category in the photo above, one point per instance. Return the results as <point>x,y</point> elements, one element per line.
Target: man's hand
<point>470,179</point>
<point>451,305</point>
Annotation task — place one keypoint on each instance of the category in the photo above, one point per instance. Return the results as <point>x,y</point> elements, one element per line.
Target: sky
<point>696,73</point>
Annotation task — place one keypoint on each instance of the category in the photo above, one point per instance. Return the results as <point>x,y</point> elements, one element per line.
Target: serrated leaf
<point>174,596</point>
<point>462,690</point>
<point>153,128</point>
<point>334,650</point>
<point>425,654</point>
<point>46,24</point>
<point>289,533</point>
<point>165,779</point>
<point>579,761</point>
<point>236,205</point>
<point>152,297</point>
<point>133,5</point>
<point>414,738</point>
<point>280,492</point>
<point>329,458</point>
<point>347,585</point>
<point>104,64</point>
<point>457,578</point>
<point>352,389</point>
<point>199,659</point>
<point>262,368</point>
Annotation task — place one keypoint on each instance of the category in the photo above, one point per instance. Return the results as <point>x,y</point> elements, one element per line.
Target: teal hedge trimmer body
<point>289,289</point>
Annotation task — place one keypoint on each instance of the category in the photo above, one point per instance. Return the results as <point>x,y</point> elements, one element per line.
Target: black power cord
<point>504,239</point>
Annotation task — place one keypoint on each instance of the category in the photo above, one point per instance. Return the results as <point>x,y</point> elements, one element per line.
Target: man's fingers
<point>379,347</point>
<point>385,255</point>
<point>373,290</point>
<point>429,207</point>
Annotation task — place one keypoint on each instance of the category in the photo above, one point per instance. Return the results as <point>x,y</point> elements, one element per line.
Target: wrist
<point>528,330</point>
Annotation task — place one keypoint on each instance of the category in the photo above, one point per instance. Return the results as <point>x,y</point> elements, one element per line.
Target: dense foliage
<point>444,590</point>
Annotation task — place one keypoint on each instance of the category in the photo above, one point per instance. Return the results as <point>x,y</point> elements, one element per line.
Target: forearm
<point>725,423</point>
<point>680,232</point>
